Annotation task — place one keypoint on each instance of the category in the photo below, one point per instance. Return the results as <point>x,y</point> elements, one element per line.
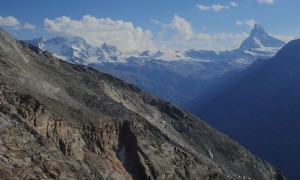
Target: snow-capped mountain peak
<point>259,38</point>
<point>78,41</point>
<point>77,50</point>
<point>109,48</point>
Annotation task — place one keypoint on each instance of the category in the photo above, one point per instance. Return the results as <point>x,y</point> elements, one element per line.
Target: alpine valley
<point>176,76</point>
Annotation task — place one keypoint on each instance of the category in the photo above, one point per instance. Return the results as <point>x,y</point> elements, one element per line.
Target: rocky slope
<point>65,121</point>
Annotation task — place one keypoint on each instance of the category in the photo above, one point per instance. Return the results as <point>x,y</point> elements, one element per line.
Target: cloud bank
<point>186,38</point>
<point>178,34</point>
<point>12,22</point>
<point>9,21</point>
<point>29,26</point>
<point>99,30</point>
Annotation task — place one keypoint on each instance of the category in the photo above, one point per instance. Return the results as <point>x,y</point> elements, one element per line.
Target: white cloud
<point>248,22</point>
<point>183,28</point>
<point>239,23</point>
<point>218,7</point>
<point>233,4</point>
<point>29,26</point>
<point>9,21</point>
<point>14,23</point>
<point>186,38</point>
<point>203,8</point>
<point>266,1</point>
<point>98,30</point>
<point>285,38</point>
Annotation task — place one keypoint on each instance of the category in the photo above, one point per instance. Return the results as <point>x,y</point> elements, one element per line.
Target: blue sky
<point>138,25</point>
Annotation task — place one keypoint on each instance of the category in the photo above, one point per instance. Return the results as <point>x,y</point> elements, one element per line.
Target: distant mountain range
<point>177,76</point>
<point>259,107</point>
<point>259,44</point>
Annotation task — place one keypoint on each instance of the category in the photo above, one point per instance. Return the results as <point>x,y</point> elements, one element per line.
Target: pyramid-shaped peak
<point>259,38</point>
<point>258,29</point>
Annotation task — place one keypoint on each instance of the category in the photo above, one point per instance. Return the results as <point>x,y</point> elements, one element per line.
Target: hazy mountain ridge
<point>259,107</point>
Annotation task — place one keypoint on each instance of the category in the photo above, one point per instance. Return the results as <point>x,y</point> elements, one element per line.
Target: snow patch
<point>258,42</point>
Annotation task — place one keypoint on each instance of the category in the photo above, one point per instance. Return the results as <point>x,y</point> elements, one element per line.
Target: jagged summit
<point>259,39</point>
<point>258,29</point>
<point>109,48</point>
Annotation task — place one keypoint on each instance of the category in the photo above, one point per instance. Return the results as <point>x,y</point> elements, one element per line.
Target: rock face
<point>65,121</point>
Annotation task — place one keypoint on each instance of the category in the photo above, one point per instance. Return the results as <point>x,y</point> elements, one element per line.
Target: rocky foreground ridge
<point>65,121</point>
